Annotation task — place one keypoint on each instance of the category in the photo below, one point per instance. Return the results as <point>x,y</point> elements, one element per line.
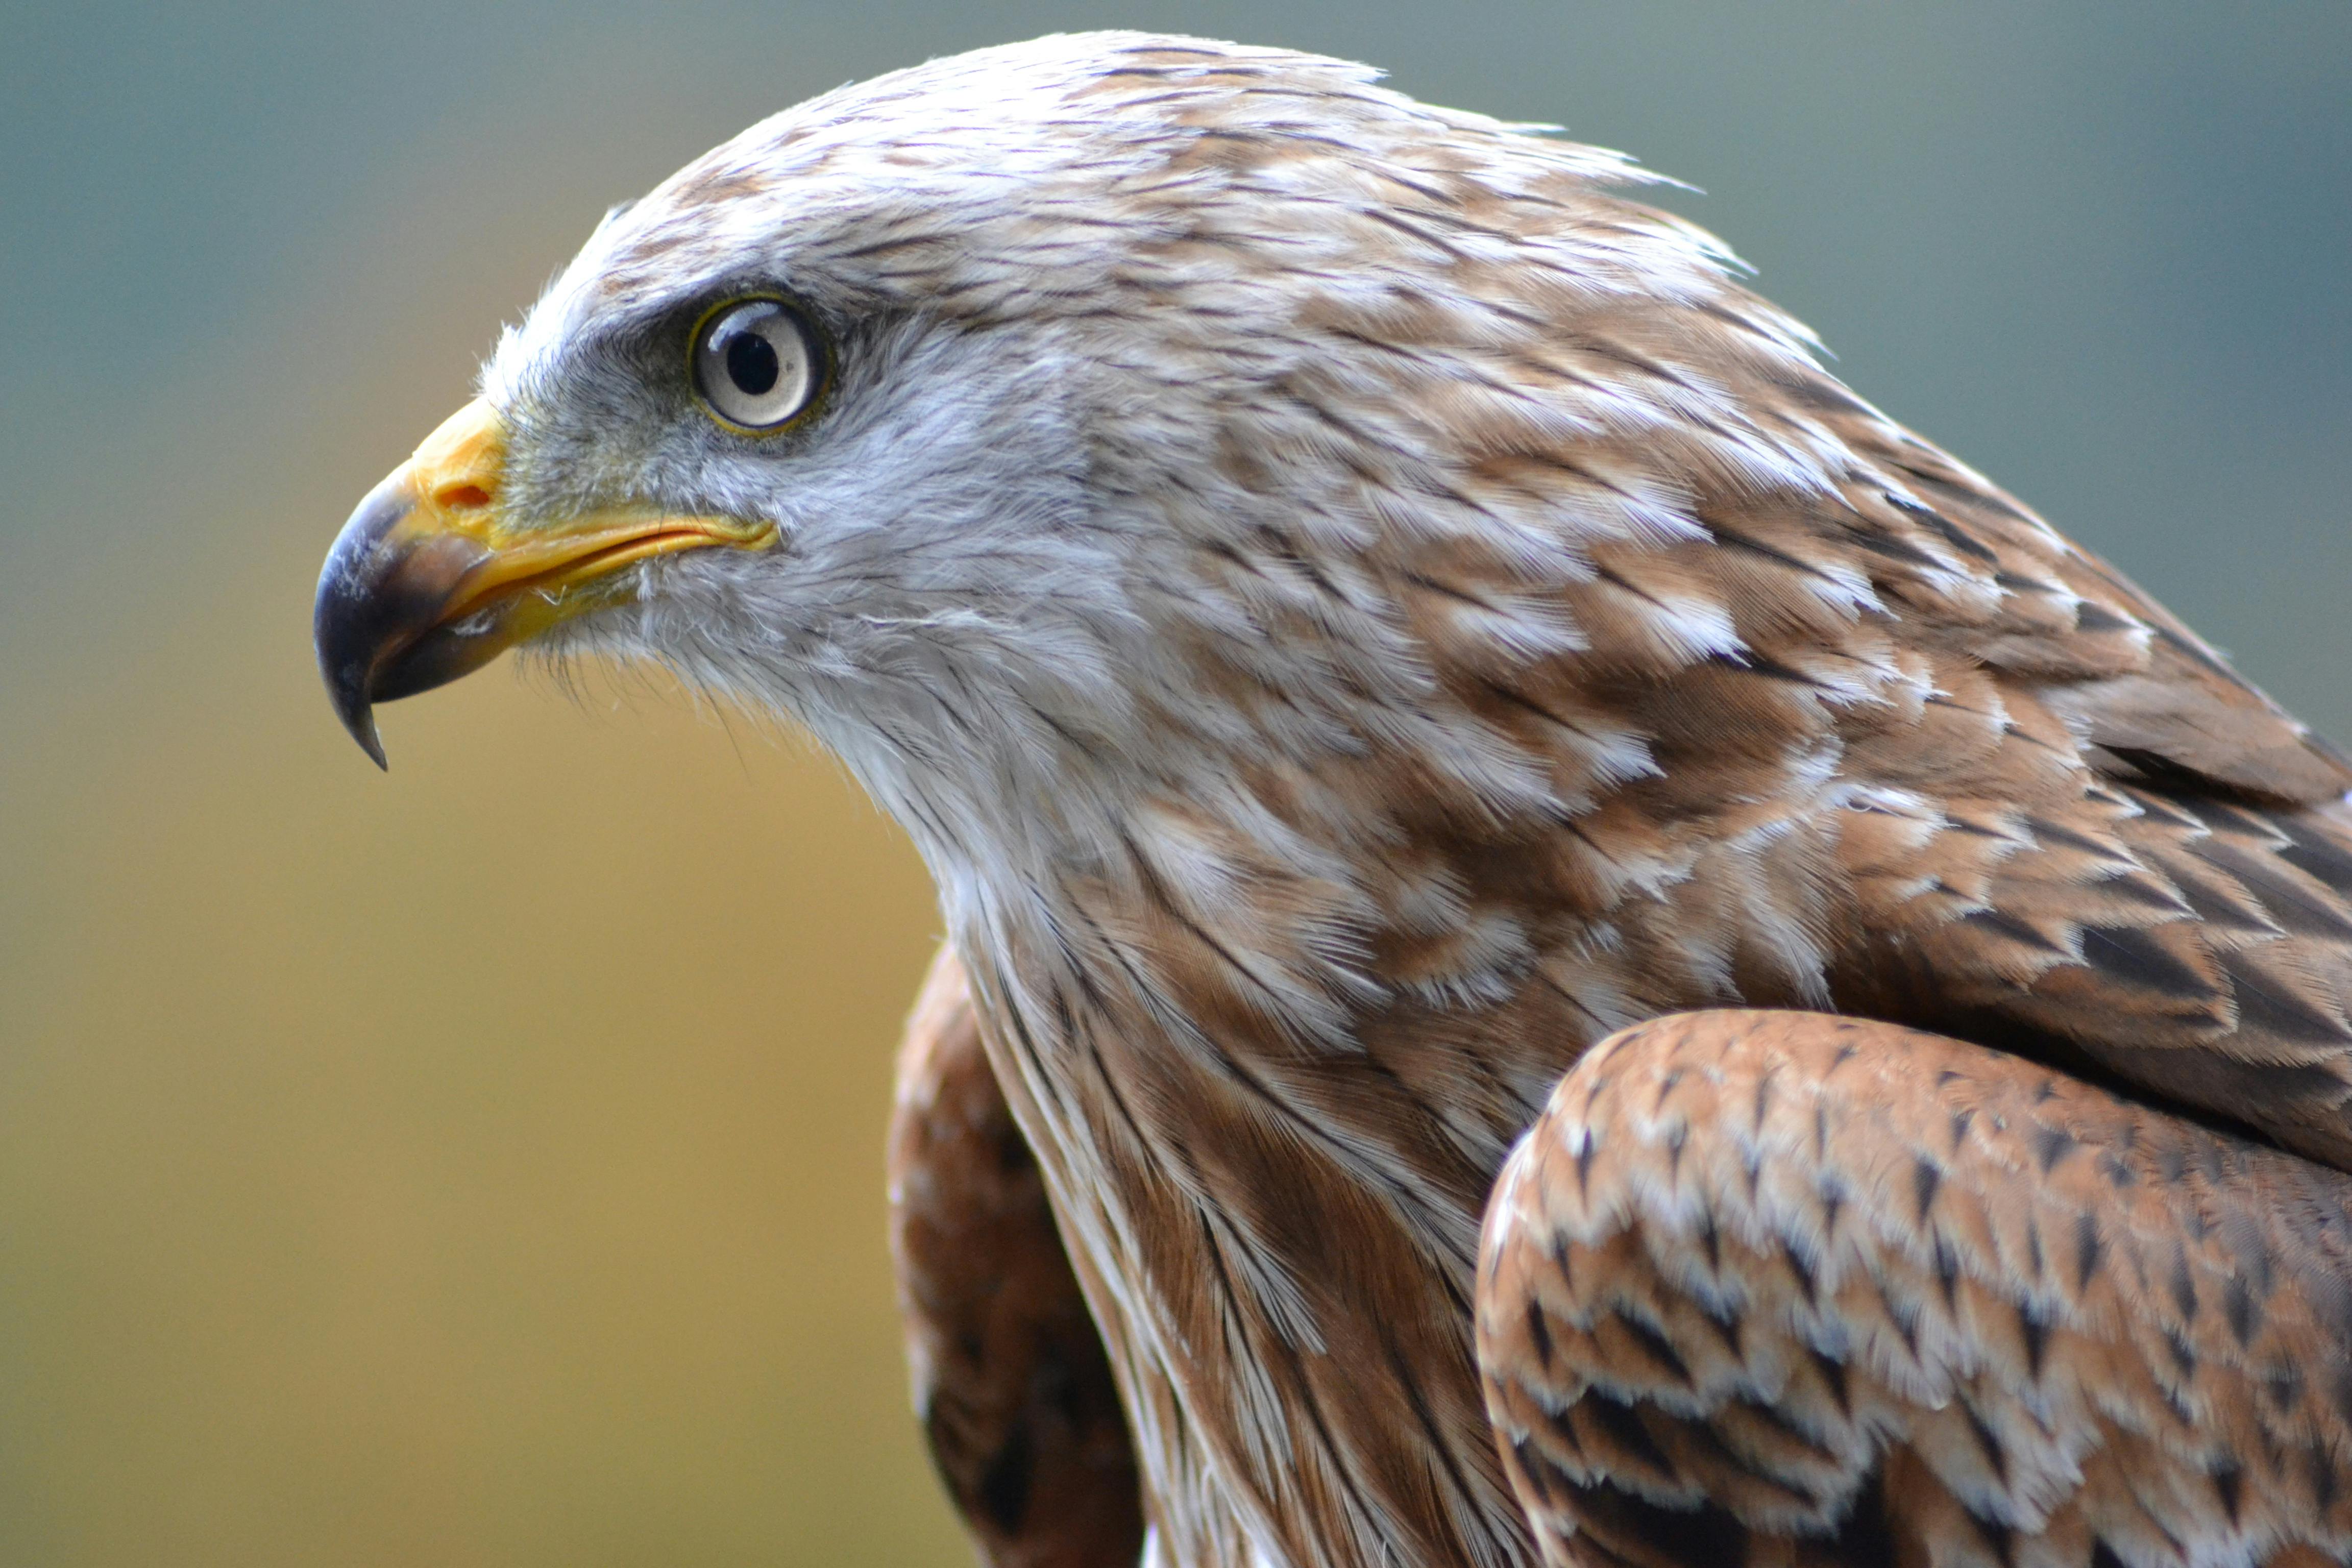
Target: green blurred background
<point>479,1164</point>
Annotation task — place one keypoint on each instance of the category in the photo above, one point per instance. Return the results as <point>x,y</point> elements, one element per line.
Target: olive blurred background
<point>479,1164</point>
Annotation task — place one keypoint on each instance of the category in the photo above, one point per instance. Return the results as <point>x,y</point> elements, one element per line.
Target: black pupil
<point>751,364</point>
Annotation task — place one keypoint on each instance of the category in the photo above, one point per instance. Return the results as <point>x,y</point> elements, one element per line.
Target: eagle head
<point>1042,424</point>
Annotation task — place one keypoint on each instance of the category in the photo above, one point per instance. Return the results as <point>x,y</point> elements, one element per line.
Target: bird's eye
<point>756,363</point>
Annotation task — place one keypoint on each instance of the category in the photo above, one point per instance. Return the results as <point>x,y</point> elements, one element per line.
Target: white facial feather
<point>1108,364</point>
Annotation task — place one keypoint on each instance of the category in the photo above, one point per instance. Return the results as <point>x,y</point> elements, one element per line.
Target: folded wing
<point>1010,1379</point>
<point>1791,1289</point>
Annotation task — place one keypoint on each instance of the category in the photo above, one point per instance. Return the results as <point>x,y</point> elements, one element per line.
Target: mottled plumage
<point>1776,1288</point>
<point>1356,611</point>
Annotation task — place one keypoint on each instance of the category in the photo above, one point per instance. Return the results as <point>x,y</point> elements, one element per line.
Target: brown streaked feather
<point>1015,1393</point>
<point>2009,799</point>
<point>2120,855</point>
<point>1785,1288</point>
<point>2014,802</point>
<point>1464,622</point>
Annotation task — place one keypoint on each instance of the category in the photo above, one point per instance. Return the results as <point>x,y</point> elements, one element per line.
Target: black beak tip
<point>360,722</point>
<point>377,622</point>
<point>348,691</point>
<point>349,626</point>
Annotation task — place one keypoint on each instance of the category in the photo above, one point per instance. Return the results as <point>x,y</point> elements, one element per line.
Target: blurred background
<point>481,1164</point>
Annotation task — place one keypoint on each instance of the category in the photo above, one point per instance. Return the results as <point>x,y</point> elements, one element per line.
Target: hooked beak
<point>429,580</point>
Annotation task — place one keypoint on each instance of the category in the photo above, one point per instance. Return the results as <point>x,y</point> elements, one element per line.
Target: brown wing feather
<point>1789,1289</point>
<point>1010,1375</point>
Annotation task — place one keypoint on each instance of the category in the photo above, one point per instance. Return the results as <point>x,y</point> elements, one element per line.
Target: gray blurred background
<point>479,1165</point>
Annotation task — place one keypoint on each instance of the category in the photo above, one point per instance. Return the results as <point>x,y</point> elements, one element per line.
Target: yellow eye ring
<point>757,364</point>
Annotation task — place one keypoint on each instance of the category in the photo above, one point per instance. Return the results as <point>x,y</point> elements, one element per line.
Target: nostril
<point>464,497</point>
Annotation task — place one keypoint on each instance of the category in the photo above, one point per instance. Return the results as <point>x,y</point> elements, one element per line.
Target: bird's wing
<point>1010,1379</point>
<point>1789,1289</point>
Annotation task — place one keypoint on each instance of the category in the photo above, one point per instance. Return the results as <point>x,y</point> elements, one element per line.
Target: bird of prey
<point>1595,953</point>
